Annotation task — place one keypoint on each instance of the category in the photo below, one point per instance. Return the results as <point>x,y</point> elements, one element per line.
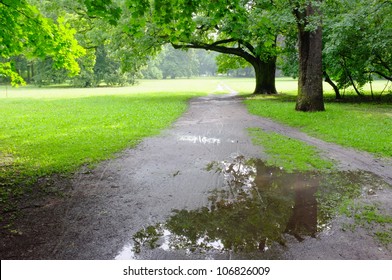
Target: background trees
<point>178,63</point>
<point>112,42</point>
<point>172,63</point>
<point>357,39</point>
<point>234,64</point>
<point>358,42</point>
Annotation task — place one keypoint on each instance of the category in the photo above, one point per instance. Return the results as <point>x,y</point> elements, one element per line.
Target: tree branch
<point>19,11</point>
<point>226,41</point>
<point>242,42</point>
<point>221,49</point>
<point>381,74</point>
<point>383,63</point>
<point>248,46</point>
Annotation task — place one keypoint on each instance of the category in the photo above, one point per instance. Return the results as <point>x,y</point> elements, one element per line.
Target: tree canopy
<point>357,39</point>
<point>358,42</point>
<point>241,28</point>
<point>102,41</point>
<point>25,31</point>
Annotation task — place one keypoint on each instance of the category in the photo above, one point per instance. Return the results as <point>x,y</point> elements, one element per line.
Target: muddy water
<point>252,215</point>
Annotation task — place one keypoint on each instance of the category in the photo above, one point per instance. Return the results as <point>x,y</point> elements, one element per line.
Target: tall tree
<point>240,28</point>
<point>310,80</point>
<point>94,22</point>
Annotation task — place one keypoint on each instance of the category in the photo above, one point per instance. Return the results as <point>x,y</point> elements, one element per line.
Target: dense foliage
<point>24,30</point>
<point>112,42</point>
<point>241,28</point>
<point>358,42</point>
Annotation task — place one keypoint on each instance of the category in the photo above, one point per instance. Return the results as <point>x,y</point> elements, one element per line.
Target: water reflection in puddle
<point>200,139</point>
<point>127,253</point>
<point>258,206</point>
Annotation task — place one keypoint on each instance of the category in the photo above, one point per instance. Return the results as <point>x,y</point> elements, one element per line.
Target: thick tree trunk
<point>265,76</point>
<point>264,70</point>
<point>310,82</point>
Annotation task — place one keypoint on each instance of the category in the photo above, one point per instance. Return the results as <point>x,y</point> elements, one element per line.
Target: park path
<point>110,203</point>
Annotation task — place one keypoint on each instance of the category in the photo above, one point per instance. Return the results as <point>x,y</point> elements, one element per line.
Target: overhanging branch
<point>381,74</point>
<point>221,49</point>
<point>221,42</point>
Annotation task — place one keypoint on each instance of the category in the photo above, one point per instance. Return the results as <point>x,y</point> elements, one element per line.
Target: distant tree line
<point>94,70</point>
<point>172,63</point>
<point>104,70</point>
<point>87,43</point>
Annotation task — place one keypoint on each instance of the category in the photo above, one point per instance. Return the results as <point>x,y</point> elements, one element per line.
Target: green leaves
<point>230,62</point>
<point>26,31</point>
<point>189,21</point>
<point>7,70</point>
<point>65,48</point>
<point>103,9</point>
<point>358,41</point>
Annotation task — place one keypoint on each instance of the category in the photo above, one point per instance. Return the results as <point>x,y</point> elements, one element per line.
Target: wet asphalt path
<point>142,186</point>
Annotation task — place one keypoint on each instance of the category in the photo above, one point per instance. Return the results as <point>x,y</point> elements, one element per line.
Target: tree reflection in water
<point>257,206</point>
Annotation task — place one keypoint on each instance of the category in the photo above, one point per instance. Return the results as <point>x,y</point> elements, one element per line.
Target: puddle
<point>255,211</point>
<point>127,253</point>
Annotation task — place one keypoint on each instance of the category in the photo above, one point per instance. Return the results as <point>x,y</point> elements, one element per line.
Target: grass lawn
<point>354,122</point>
<point>56,130</point>
<point>290,154</point>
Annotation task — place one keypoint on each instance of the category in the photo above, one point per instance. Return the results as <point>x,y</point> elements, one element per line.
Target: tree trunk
<point>29,73</point>
<point>310,82</point>
<point>354,86</point>
<point>264,70</point>
<point>333,85</point>
<point>265,76</point>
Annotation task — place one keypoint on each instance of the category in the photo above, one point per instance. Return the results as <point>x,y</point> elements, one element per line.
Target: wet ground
<point>258,214</point>
<point>201,191</point>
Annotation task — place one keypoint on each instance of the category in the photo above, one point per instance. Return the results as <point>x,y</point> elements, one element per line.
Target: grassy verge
<point>356,122</point>
<point>289,154</point>
<point>48,131</point>
<point>363,126</point>
<point>370,217</point>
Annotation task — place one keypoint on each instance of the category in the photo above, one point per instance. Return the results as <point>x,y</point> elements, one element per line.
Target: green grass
<point>56,130</point>
<point>370,217</point>
<point>47,131</point>
<point>290,154</point>
<point>384,237</point>
<point>289,85</point>
<point>202,86</point>
<point>354,122</point>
